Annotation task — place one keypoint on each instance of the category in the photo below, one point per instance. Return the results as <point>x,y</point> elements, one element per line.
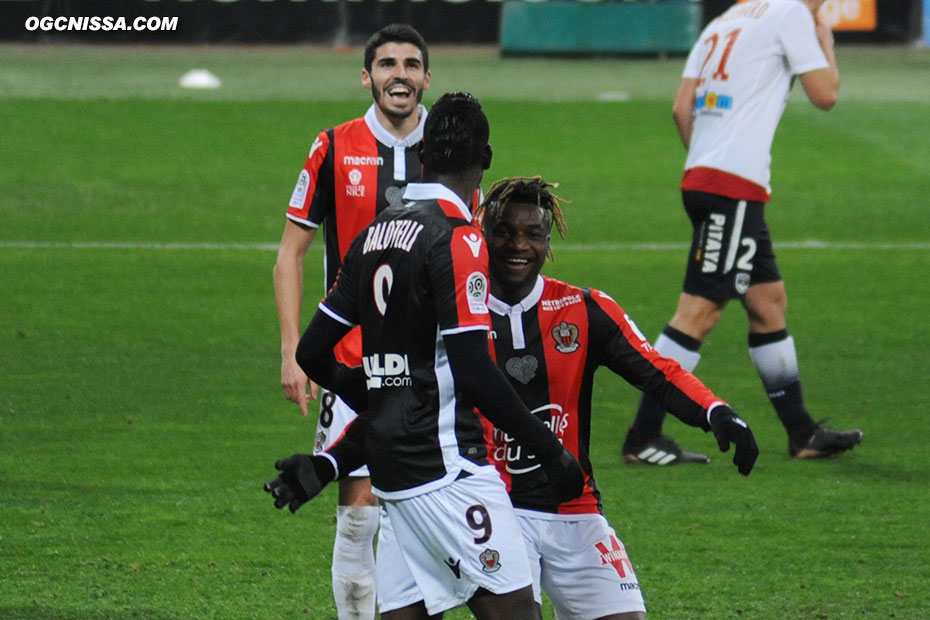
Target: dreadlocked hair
<point>524,190</point>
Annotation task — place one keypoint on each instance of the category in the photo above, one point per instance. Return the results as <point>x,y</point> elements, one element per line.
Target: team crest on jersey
<point>490,561</point>
<point>476,288</point>
<point>741,283</point>
<point>566,337</point>
<point>355,188</point>
<point>523,369</point>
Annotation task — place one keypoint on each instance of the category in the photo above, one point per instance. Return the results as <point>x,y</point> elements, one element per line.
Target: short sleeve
<point>458,272</point>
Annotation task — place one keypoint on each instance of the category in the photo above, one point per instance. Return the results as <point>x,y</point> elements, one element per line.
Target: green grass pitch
<point>140,410</point>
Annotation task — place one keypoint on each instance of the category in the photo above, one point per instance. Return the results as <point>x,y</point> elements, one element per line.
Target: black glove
<point>302,477</point>
<point>727,427</point>
<point>564,473</point>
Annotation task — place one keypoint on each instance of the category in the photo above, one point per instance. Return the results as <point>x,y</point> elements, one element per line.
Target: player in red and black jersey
<point>416,281</point>
<point>549,338</point>
<point>352,173</point>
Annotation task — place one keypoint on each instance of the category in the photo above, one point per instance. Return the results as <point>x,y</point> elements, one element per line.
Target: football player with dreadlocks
<point>549,337</point>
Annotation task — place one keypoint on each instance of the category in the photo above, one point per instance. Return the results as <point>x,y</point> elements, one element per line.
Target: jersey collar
<point>499,307</point>
<point>436,191</point>
<point>384,136</point>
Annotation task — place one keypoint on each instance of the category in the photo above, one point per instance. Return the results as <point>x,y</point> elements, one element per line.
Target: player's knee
<point>357,524</point>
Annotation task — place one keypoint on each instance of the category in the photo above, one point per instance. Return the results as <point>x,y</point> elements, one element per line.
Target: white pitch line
<point>570,247</point>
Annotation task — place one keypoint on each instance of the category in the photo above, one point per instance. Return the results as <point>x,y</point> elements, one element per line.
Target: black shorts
<point>730,248</point>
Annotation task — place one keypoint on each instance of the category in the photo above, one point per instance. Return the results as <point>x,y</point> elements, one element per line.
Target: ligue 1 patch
<point>742,283</point>
<point>566,337</point>
<point>490,561</point>
<point>523,369</point>
<point>476,289</point>
<point>299,197</point>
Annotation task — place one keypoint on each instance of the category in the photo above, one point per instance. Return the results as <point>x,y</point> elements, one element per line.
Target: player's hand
<point>565,476</point>
<point>295,383</point>
<point>728,427</point>
<point>301,479</point>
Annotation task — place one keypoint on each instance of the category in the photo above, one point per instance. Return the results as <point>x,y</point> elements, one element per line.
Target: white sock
<point>669,348</point>
<point>776,363</point>
<point>354,562</point>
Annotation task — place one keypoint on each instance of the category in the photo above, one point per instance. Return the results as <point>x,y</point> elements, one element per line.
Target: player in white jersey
<point>733,92</point>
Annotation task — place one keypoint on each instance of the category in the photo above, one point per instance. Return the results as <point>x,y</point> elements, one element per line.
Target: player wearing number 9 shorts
<point>733,91</point>
<point>416,282</point>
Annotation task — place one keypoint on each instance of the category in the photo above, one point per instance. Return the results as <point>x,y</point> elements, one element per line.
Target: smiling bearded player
<point>353,172</point>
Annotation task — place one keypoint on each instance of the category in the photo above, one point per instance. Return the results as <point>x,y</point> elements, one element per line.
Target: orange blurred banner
<point>856,15</point>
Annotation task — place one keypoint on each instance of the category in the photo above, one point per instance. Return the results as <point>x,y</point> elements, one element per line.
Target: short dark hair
<point>521,190</point>
<point>395,33</point>
<point>455,135</point>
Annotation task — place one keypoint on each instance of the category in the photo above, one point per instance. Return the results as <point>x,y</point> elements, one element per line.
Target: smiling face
<point>397,80</point>
<point>518,245</point>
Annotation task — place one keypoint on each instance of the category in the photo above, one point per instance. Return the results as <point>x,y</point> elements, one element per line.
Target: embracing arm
<point>476,374</point>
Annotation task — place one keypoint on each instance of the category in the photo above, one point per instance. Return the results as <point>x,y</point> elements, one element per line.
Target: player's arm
<point>622,347</point>
<point>683,109</point>
<point>315,355</point>
<point>823,85</point>
<point>477,375</point>
<point>288,293</point>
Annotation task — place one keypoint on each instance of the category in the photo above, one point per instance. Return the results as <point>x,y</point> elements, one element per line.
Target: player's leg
<point>357,516</point>
<point>681,340</point>
<point>516,605</point>
<point>417,611</point>
<point>460,540</point>
<point>586,571</point>
<point>774,356</point>
<point>706,289</point>
<point>353,568</point>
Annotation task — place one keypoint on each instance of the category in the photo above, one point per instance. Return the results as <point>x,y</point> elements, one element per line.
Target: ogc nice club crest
<point>566,337</point>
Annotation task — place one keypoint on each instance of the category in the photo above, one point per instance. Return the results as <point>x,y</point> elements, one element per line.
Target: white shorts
<point>335,416</point>
<point>580,564</point>
<point>440,547</point>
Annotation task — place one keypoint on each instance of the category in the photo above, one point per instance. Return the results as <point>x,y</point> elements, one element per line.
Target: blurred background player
<point>352,173</point>
<point>549,338</point>
<point>735,85</point>
<point>416,281</point>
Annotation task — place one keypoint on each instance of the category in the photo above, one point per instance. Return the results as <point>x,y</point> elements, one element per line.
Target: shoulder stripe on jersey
<point>332,314</point>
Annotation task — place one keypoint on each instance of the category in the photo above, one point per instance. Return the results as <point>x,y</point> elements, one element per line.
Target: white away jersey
<point>744,61</point>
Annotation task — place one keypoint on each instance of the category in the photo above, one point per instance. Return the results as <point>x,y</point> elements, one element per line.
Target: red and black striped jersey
<point>415,274</point>
<point>549,347</point>
<point>353,172</point>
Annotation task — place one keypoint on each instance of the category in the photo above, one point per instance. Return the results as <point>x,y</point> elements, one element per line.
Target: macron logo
<point>474,243</point>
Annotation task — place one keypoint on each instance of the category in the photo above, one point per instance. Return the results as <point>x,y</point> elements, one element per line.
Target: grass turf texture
<point>139,406</point>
